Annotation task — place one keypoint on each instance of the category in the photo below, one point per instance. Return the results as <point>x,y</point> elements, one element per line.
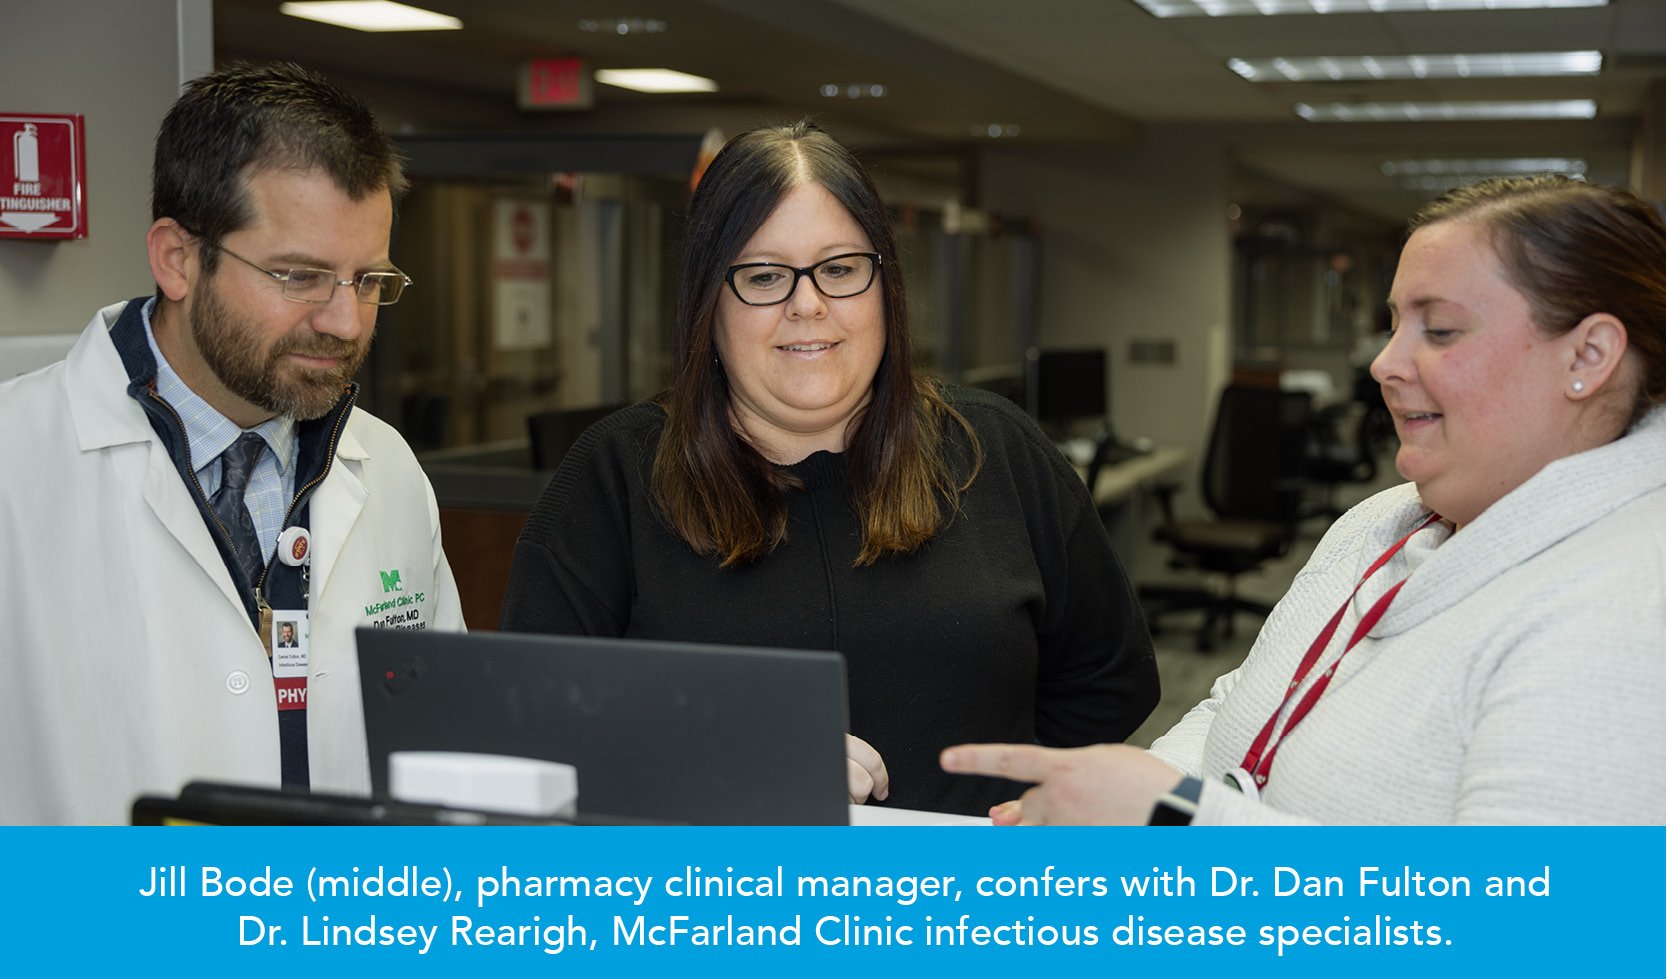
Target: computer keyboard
<point>1083,450</point>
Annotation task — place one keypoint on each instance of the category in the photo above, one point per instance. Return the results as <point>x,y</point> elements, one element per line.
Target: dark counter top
<point>495,476</point>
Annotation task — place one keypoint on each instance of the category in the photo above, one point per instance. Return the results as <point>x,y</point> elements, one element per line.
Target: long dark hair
<point>1573,249</point>
<point>715,489</point>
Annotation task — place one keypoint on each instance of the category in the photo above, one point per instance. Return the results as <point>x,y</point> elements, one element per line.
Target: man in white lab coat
<point>195,475</point>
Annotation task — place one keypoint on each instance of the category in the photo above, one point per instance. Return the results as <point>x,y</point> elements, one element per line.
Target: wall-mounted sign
<point>521,274</point>
<point>43,176</point>
<point>555,83</point>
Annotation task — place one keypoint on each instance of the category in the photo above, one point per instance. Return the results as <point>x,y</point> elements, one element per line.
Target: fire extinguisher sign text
<point>43,176</point>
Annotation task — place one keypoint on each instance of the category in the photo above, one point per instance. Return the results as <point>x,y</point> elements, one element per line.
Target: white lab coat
<point>127,662</point>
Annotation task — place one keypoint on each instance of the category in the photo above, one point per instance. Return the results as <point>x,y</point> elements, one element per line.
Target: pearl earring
<point>1579,386</point>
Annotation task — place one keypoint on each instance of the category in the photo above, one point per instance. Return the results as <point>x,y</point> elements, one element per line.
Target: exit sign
<point>555,83</point>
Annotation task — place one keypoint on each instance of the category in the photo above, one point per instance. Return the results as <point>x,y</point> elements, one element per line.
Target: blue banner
<point>630,901</point>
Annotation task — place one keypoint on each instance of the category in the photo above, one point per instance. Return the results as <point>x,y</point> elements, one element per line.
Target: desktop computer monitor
<point>1066,388</point>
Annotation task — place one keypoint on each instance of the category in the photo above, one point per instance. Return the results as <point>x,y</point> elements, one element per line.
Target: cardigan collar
<point>1564,498</point>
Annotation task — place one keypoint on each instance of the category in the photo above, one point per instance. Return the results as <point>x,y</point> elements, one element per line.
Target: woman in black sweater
<point>799,486</point>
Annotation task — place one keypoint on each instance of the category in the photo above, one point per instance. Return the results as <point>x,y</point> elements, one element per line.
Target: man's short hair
<point>248,117</point>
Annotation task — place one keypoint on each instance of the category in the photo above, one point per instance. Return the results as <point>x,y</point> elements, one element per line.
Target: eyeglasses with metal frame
<point>770,283</point>
<point>382,287</point>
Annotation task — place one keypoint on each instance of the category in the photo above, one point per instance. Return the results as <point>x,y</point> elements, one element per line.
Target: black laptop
<point>659,731</point>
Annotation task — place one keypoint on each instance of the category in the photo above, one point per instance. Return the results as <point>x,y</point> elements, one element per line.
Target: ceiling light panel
<point>375,15</point>
<point>869,90</point>
<point>1536,64</point>
<point>661,81</point>
<point>1446,111</point>
<point>623,26</point>
<point>1277,8</point>
<point>1425,168</point>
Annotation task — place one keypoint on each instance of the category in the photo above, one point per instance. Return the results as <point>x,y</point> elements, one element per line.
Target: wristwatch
<point>1177,806</point>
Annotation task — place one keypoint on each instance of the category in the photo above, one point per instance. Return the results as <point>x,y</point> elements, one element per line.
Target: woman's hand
<point>1102,784</point>
<point>865,771</point>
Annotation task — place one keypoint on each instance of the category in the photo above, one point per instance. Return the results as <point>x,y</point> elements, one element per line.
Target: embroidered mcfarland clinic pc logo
<point>402,611</point>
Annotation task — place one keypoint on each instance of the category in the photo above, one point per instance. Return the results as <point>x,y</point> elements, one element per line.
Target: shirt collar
<point>207,431</point>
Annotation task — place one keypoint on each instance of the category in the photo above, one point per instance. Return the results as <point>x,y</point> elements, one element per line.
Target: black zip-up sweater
<point>1014,623</point>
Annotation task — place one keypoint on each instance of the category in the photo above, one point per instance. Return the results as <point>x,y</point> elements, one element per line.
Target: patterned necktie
<point>237,464</point>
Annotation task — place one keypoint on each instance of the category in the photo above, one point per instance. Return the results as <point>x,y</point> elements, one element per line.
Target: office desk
<point>881,816</point>
<point>1116,484</point>
<point>1129,515</point>
<point>484,493</point>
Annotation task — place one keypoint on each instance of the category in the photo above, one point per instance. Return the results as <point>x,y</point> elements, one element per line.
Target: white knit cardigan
<point>1517,678</point>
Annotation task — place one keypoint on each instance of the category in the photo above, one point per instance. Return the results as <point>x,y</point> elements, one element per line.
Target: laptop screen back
<point>674,732</point>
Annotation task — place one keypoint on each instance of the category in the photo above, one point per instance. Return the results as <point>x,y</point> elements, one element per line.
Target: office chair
<point>424,420</point>
<point>1377,428</point>
<point>1335,459</point>
<point>552,433</point>
<point>1252,483</point>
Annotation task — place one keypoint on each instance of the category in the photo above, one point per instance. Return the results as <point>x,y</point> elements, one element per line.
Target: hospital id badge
<point>289,657</point>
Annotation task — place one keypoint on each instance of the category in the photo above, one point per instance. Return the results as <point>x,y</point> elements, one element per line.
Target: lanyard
<point>1252,774</point>
<point>287,632</point>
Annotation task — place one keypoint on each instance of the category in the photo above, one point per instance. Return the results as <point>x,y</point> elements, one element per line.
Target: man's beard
<point>230,345</point>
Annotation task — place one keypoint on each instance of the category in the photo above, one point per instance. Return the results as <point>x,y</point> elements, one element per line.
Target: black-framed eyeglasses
<point>307,285</point>
<point>839,277</point>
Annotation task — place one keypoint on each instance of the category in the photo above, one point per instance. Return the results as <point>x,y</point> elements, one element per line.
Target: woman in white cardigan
<point>1484,644</point>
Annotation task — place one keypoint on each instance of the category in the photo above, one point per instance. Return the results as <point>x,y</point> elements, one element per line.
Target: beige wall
<point>119,63</point>
<point>1134,245</point>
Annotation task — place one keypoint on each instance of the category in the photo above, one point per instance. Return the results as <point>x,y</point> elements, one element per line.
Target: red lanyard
<point>1258,761</point>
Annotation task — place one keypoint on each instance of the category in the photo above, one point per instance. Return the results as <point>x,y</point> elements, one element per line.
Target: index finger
<point>1024,762</point>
